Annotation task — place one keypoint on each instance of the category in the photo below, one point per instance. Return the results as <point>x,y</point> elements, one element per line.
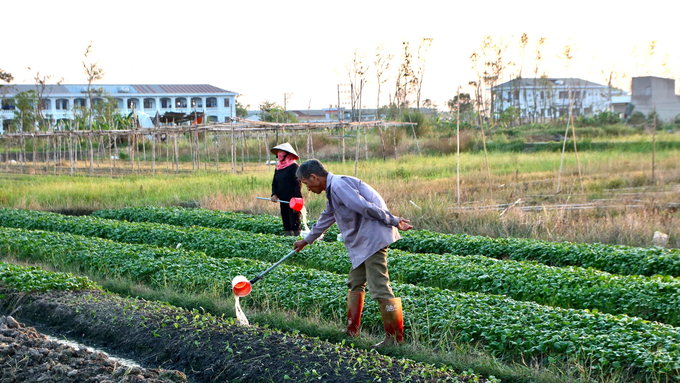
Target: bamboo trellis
<point>59,146</point>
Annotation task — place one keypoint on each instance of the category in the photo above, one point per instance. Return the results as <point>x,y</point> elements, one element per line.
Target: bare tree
<point>523,42</point>
<point>404,84</point>
<point>382,64</point>
<point>93,73</point>
<point>538,56</point>
<point>356,71</point>
<point>425,44</point>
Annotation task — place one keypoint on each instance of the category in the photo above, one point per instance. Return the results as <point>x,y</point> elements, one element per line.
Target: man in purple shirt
<point>367,228</point>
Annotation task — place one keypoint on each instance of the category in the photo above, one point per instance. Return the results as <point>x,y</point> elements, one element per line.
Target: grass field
<point>627,206</point>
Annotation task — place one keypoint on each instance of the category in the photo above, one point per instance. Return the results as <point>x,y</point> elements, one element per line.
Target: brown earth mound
<point>27,356</point>
<point>209,348</point>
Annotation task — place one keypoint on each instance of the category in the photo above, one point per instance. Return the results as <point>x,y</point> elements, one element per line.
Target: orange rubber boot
<point>355,305</point>
<point>393,320</point>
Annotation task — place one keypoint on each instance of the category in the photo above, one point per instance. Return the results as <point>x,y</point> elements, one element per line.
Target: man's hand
<point>404,224</point>
<point>275,198</point>
<point>299,245</point>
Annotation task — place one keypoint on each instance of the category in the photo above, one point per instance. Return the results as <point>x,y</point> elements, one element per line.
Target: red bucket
<point>241,286</point>
<point>296,204</point>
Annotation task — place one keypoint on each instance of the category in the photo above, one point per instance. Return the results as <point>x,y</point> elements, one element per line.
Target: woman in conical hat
<point>285,186</point>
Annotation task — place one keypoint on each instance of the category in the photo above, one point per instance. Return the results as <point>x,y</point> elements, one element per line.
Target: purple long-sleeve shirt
<point>361,214</point>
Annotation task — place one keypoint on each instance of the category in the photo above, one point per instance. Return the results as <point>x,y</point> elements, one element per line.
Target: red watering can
<point>295,203</point>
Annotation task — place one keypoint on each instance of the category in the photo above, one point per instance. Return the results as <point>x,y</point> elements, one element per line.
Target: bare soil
<point>209,348</point>
<point>27,356</point>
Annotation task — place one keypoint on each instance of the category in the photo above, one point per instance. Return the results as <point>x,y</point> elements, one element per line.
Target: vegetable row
<point>502,325</point>
<point>30,278</point>
<point>652,298</point>
<point>613,259</point>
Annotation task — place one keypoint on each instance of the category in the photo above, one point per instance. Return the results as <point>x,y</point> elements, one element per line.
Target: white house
<point>549,97</point>
<point>58,103</point>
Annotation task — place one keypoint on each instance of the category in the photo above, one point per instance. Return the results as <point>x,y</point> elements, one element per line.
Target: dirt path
<point>27,356</point>
<point>209,348</point>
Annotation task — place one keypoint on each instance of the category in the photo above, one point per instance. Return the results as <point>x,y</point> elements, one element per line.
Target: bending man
<point>367,228</point>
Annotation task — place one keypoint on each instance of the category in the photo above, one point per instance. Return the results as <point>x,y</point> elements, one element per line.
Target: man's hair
<point>310,167</point>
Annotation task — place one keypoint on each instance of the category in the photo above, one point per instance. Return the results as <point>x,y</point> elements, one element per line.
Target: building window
<point>45,104</point>
<point>211,102</point>
<point>62,104</point>
<point>148,103</point>
<point>166,103</point>
<point>226,103</point>
<point>133,103</point>
<point>181,102</point>
<point>118,103</point>
<point>79,102</point>
<point>577,95</point>
<point>563,95</point>
<point>196,102</point>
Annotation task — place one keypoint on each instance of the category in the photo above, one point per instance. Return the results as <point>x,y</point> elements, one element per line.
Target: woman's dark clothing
<point>286,186</point>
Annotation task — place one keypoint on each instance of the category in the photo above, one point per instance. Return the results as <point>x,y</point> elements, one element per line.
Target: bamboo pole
<point>233,152</point>
<point>35,162</point>
<point>115,154</point>
<point>458,150</point>
<point>176,156</point>
<point>564,146</point>
<point>89,139</point>
<point>654,148</point>
<point>578,163</point>
<point>486,157</point>
<point>110,157</point>
<point>394,135</point>
<point>243,138</point>
<point>356,153</point>
<point>153,155</point>
<point>217,153</point>
<point>167,153</point>
<point>266,143</point>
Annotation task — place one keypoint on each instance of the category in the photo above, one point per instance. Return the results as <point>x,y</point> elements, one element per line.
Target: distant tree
<point>25,112</point>
<point>241,111</point>
<point>273,112</point>
<point>465,103</point>
<point>93,73</point>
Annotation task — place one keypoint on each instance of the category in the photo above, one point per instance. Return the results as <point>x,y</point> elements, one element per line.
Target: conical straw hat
<point>286,147</point>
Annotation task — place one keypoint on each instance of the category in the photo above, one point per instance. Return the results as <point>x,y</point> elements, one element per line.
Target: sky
<point>266,49</point>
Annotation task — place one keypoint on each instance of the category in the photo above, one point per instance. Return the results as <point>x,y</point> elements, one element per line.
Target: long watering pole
<point>252,281</point>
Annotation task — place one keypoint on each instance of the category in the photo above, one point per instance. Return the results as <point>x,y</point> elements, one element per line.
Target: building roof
<point>122,89</point>
<point>561,82</point>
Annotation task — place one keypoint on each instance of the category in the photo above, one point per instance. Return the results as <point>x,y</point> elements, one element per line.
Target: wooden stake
<point>153,154</point>
<point>654,148</point>
<point>578,163</point>
<point>89,139</point>
<point>564,146</point>
<point>458,149</point>
<point>486,157</point>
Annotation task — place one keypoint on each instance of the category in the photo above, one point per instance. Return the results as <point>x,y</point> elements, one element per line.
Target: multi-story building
<point>59,102</point>
<point>549,97</point>
<point>655,93</point>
